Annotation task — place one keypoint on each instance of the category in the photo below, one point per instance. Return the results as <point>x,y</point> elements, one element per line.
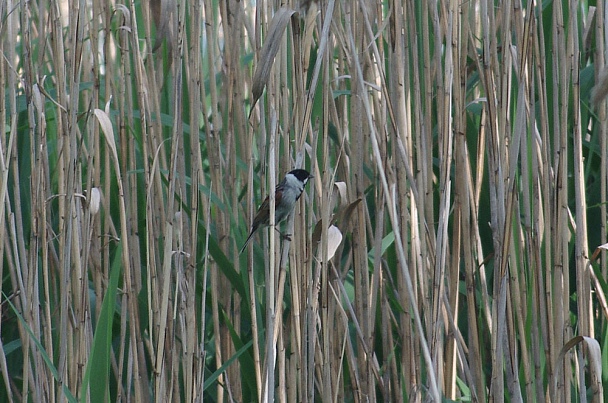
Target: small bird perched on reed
<point>285,196</point>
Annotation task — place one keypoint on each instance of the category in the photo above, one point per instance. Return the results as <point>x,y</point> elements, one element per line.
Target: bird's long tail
<point>247,241</point>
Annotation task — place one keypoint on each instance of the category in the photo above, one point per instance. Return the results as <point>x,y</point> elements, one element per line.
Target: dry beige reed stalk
<point>458,131</point>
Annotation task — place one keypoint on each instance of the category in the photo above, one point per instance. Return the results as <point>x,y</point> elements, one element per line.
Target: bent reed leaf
<point>269,51</point>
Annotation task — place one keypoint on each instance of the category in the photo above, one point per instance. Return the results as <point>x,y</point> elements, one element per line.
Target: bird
<point>285,196</point>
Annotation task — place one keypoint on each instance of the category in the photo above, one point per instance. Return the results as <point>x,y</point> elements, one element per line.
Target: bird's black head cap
<point>302,174</point>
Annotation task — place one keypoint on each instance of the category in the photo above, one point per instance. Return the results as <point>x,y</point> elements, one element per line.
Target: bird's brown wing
<point>265,207</point>
<point>263,215</point>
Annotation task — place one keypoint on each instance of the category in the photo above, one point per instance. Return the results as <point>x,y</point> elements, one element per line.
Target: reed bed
<point>449,248</point>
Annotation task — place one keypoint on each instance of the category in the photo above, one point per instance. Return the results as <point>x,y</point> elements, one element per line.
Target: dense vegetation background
<point>455,148</point>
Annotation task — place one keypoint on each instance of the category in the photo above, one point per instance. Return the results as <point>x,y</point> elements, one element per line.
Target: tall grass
<point>459,167</point>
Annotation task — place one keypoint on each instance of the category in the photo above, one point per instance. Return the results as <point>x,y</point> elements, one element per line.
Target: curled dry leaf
<point>127,16</point>
<point>334,239</point>
<point>344,215</point>
<point>341,186</point>
<point>341,218</point>
<point>316,233</point>
<point>94,201</point>
<point>107,129</point>
<point>594,359</point>
<point>269,51</point>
